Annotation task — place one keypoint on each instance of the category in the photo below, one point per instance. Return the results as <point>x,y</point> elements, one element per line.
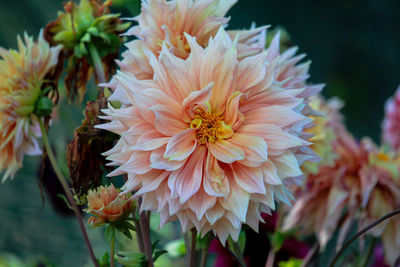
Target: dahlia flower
<point>328,191</point>
<point>391,123</point>
<point>22,76</point>
<point>323,131</point>
<point>209,140</point>
<point>291,73</point>
<point>107,205</point>
<point>381,195</point>
<point>167,21</point>
<point>362,179</point>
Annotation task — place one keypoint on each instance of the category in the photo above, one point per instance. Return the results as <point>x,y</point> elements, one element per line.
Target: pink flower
<point>22,74</point>
<point>291,73</point>
<point>381,195</point>
<point>391,123</point>
<point>320,204</point>
<point>209,140</point>
<point>167,21</point>
<point>362,185</point>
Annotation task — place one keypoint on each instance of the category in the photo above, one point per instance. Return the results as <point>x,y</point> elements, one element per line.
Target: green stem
<point>97,64</point>
<point>360,233</point>
<point>237,252</point>
<point>112,250</point>
<point>369,252</point>
<point>67,190</point>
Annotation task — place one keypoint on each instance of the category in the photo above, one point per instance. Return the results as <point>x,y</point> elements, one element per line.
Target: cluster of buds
<point>87,31</point>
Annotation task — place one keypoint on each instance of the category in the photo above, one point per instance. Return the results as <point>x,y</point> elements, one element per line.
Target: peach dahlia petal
<point>196,148</point>
<point>167,21</point>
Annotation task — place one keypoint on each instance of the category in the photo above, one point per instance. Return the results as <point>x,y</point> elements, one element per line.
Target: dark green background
<point>354,46</point>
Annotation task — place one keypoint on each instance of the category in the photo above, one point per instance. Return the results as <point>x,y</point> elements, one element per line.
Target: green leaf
<point>77,52</point>
<point>158,253</point>
<point>105,37</point>
<point>131,259</point>
<point>109,233</point>
<point>127,233</point>
<point>93,31</point>
<point>153,247</point>
<point>105,260</point>
<point>86,38</point>
<point>177,248</point>
<point>82,48</point>
<point>277,239</point>
<point>130,226</point>
<point>292,262</point>
<point>43,106</point>
<point>65,200</point>
<point>242,241</point>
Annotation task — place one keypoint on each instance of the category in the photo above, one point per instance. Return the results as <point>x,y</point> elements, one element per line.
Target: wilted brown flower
<point>85,162</point>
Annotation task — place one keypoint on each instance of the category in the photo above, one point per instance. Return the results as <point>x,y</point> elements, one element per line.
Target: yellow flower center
<point>209,127</point>
<point>383,157</point>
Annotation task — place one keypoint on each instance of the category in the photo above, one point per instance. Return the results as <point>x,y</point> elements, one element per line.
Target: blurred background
<point>354,46</point>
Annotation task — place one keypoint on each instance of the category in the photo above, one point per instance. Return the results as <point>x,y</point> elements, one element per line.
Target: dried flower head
<point>85,162</point>
<point>209,140</point>
<point>22,78</point>
<point>107,205</point>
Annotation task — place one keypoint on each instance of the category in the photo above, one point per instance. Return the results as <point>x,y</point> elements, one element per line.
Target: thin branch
<point>236,252</point>
<point>144,222</point>
<point>97,65</point>
<point>310,255</point>
<point>204,255</point>
<point>360,233</point>
<point>67,190</point>
<point>270,258</point>
<point>193,248</point>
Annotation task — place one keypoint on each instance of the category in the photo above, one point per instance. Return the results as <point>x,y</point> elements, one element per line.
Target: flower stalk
<point>64,184</point>
<point>360,233</point>
<point>112,250</point>
<point>192,252</point>
<point>97,64</point>
<point>237,253</point>
<point>145,229</point>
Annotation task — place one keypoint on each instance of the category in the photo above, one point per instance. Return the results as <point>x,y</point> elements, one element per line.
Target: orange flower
<point>107,205</point>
